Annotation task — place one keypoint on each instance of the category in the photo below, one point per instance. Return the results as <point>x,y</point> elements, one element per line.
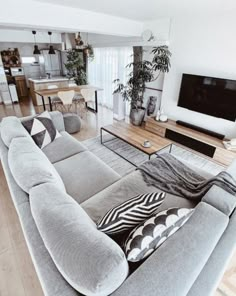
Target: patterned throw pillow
<point>130,213</point>
<point>41,129</point>
<point>149,235</point>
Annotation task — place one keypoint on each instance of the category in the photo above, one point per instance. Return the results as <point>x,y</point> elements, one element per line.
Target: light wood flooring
<point>17,273</point>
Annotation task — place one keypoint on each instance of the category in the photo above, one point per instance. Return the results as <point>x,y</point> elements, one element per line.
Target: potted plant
<point>89,52</point>
<point>134,88</point>
<point>161,59</point>
<point>75,66</point>
<point>142,72</point>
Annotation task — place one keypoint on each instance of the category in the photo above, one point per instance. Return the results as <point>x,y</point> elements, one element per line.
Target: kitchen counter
<point>45,83</point>
<point>46,80</point>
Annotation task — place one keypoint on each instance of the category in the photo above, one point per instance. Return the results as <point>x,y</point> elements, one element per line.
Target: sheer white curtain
<point>109,64</point>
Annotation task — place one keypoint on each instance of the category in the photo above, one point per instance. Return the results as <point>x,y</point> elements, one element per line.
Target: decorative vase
<point>137,116</point>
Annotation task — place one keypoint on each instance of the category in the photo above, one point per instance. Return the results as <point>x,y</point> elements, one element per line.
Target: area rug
<point>123,167</point>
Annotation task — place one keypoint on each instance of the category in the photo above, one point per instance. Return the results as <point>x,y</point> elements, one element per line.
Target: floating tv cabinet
<point>207,145</point>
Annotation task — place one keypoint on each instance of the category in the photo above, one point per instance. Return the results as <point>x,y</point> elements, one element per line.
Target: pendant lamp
<point>51,49</point>
<point>36,48</point>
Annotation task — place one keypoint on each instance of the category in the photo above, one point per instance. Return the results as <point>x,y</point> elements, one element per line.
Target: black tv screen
<point>208,95</point>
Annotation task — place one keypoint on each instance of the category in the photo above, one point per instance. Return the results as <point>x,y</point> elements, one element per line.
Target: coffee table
<point>135,136</point>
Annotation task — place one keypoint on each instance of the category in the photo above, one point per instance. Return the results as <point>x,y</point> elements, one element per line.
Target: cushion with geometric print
<point>130,213</point>
<point>41,129</point>
<point>149,235</point>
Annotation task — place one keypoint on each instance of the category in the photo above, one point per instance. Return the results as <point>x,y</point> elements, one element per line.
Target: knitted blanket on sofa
<point>170,175</point>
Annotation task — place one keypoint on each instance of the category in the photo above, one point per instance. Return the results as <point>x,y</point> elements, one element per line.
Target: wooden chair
<point>88,95</point>
<point>67,99</point>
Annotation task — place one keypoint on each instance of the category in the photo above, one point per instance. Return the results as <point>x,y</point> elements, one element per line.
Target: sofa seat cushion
<point>85,175</point>
<point>63,147</point>
<point>12,128</point>
<point>129,186</point>
<point>88,259</point>
<point>30,166</point>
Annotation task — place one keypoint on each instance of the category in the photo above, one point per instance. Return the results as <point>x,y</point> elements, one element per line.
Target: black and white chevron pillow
<point>149,235</point>
<point>130,213</point>
<point>41,129</point>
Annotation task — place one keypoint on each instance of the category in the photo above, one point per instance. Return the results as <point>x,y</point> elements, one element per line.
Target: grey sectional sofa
<point>62,191</point>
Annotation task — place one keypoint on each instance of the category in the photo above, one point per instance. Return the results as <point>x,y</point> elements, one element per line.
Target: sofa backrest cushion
<point>30,166</point>
<point>12,128</point>
<point>89,260</point>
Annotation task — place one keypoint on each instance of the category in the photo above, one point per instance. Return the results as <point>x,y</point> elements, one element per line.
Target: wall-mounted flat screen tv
<point>208,95</point>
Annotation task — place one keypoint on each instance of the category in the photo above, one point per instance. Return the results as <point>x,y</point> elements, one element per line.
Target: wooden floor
<point>17,274</point>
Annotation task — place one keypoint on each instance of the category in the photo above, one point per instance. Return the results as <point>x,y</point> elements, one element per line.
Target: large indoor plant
<point>142,72</point>
<point>75,66</point>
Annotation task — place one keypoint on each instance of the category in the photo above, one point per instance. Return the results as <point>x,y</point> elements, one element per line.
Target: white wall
<point>160,28</point>
<point>101,40</point>
<point>33,14</point>
<point>7,35</point>
<point>204,46</point>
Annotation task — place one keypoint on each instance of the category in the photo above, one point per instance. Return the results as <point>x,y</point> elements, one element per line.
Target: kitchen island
<point>45,83</point>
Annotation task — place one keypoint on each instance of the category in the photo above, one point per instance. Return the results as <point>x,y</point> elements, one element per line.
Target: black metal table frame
<point>89,108</point>
<point>149,155</point>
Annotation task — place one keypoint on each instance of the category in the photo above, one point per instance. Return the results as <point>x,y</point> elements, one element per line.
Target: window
<point>108,65</point>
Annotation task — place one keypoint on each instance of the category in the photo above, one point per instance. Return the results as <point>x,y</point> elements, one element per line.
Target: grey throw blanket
<point>170,175</point>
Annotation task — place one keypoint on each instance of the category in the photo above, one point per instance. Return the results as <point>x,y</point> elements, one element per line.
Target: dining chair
<point>67,99</point>
<point>88,95</point>
<point>55,99</point>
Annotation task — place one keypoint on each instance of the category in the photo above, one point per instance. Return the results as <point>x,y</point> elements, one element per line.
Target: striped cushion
<point>131,213</point>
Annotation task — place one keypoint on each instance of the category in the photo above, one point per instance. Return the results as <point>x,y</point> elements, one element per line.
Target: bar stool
<point>56,101</point>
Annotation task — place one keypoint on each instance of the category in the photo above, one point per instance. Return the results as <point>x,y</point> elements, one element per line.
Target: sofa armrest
<point>90,261</point>
<point>231,169</point>
<point>173,268</point>
<point>58,120</point>
<point>220,199</point>
<point>208,280</point>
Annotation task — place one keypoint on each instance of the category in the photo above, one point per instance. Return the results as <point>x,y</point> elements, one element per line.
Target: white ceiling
<point>142,10</point>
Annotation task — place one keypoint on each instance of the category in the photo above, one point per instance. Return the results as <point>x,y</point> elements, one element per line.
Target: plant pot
<point>137,116</point>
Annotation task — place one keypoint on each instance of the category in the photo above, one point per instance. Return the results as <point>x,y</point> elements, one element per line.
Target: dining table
<point>53,92</point>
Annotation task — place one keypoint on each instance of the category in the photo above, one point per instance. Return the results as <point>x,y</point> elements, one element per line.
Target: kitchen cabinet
<point>21,86</point>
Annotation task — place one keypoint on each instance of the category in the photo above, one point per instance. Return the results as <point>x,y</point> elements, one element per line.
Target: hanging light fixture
<point>36,48</point>
<point>51,49</point>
